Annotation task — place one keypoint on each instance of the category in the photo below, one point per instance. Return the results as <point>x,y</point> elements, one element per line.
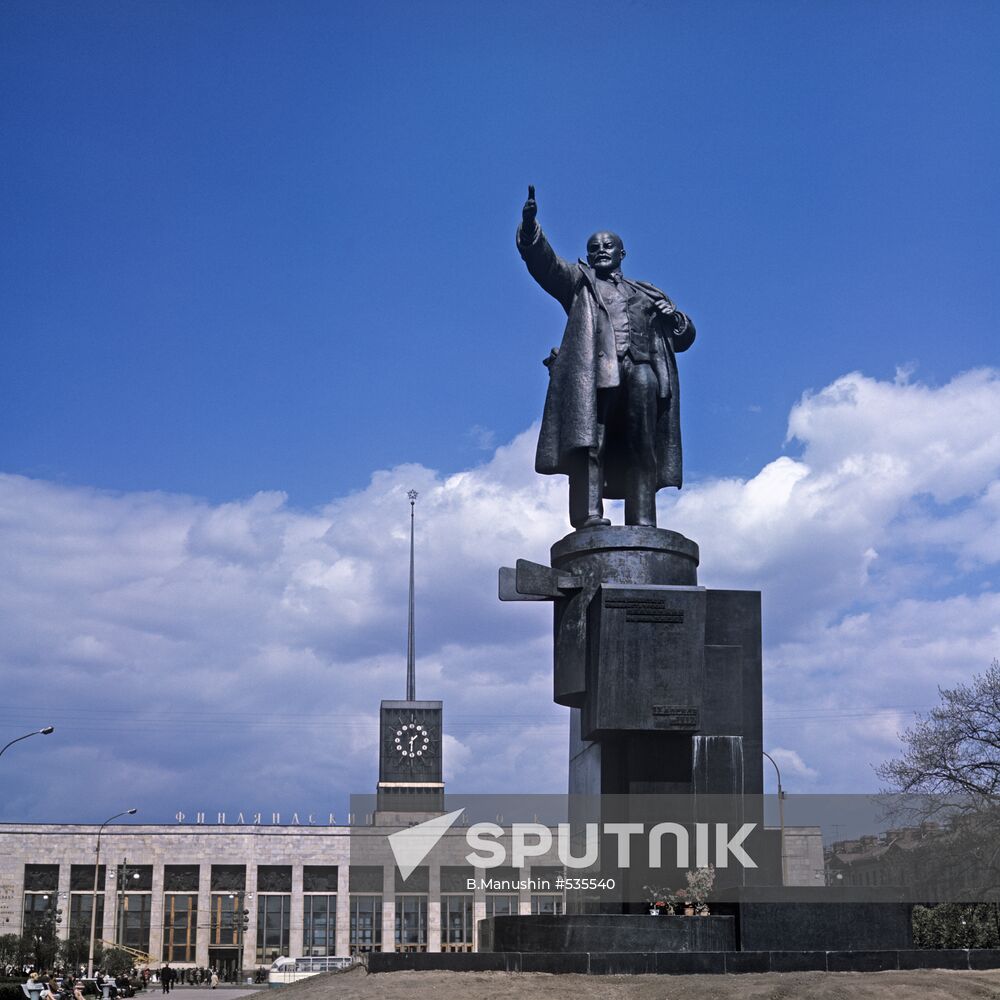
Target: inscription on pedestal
<point>675,717</point>
<point>649,610</point>
<point>645,659</point>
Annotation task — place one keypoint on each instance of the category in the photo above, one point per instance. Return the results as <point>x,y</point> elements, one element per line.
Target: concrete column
<point>204,914</point>
<point>297,917</point>
<point>110,896</point>
<point>343,909</point>
<point>250,934</point>
<point>156,915</point>
<point>478,906</point>
<point>524,895</point>
<point>388,908</point>
<point>434,908</point>
<point>62,902</point>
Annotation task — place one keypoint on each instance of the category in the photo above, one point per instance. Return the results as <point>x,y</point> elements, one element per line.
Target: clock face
<point>412,741</point>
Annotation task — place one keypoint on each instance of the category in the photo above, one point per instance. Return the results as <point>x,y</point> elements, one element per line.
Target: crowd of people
<point>62,985</point>
<point>170,977</point>
<point>59,984</point>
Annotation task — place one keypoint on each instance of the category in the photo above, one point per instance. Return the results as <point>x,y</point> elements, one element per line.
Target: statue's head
<point>605,252</point>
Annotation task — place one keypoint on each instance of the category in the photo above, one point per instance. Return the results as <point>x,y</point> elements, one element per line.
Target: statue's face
<point>605,252</point>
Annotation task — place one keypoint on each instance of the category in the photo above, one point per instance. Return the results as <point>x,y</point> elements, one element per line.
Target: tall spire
<point>411,670</point>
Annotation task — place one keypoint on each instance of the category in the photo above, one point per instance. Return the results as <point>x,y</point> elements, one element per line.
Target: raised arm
<point>557,276</point>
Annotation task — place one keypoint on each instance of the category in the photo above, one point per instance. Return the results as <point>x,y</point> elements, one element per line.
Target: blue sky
<point>258,275</point>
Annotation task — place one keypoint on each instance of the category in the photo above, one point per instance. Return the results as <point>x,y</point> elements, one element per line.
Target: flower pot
<point>688,911</point>
<point>653,911</point>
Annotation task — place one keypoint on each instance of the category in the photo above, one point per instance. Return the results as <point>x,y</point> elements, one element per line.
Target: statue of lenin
<point>612,412</point>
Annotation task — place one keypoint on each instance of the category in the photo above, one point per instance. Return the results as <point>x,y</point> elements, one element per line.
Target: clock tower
<point>409,773</point>
<point>410,778</point>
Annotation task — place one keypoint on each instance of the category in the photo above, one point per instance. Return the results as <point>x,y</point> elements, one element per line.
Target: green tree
<point>76,950</point>
<point>12,950</point>
<point>40,938</point>
<point>116,961</point>
<point>957,925</point>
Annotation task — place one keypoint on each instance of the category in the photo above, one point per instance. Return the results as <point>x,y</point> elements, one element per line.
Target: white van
<point>290,970</point>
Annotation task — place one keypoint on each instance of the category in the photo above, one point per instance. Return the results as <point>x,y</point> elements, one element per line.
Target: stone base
<point>683,963</point>
<point>814,921</point>
<point>607,932</point>
<point>805,921</point>
<point>628,554</point>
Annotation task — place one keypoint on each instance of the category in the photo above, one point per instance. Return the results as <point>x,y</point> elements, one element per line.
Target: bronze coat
<point>587,362</point>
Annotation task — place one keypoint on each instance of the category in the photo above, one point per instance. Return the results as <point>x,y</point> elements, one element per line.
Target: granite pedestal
<point>607,932</point>
<point>663,678</point>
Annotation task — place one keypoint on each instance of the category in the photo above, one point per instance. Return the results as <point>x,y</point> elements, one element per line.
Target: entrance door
<point>225,961</point>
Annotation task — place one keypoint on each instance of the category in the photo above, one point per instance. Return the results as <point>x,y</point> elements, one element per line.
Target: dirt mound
<point>356,984</point>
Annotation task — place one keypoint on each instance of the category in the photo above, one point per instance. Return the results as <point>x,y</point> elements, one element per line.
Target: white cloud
<point>792,764</point>
<point>233,655</point>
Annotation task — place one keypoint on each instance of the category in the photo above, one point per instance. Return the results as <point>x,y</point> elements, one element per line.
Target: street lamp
<point>241,920</point>
<point>781,818</point>
<point>93,898</point>
<point>36,732</point>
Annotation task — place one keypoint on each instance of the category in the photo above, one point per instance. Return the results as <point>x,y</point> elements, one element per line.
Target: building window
<point>133,905</point>
<point>81,878</point>
<point>274,878</point>
<point>501,906</point>
<point>180,878</point>
<point>81,899</point>
<point>366,924</point>
<point>229,878</point>
<point>40,885</point>
<point>456,923</point>
<point>134,920</point>
<point>36,905</point>
<point>319,878</point>
<point>546,904</point>
<point>77,945</point>
<point>411,923</point>
<point>180,922</point>
<point>42,878</point>
<point>319,925</point>
<point>273,911</point>
<point>225,925</point>
<point>80,904</point>
<point>41,922</point>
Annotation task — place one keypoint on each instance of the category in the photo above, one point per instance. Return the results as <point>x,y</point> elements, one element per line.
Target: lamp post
<point>35,732</point>
<point>93,898</point>
<point>241,919</point>
<point>781,818</point>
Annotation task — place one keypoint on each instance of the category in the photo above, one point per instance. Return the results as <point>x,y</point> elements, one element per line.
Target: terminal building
<point>181,893</point>
<point>235,892</point>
